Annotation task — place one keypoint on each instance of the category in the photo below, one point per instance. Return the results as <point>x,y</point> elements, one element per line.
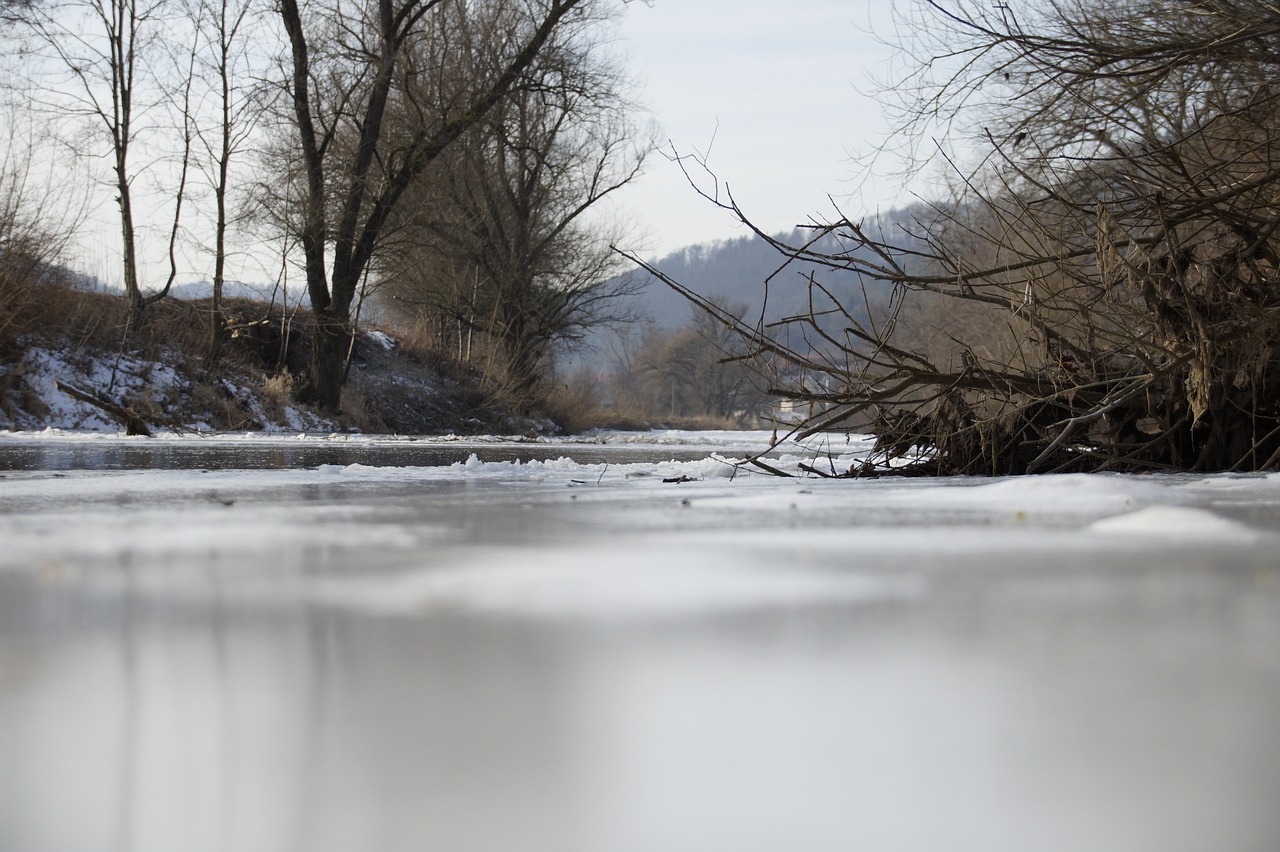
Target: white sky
<point>778,95</point>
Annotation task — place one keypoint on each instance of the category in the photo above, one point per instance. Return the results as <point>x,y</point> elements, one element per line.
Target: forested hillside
<point>736,271</point>
<point>675,360</point>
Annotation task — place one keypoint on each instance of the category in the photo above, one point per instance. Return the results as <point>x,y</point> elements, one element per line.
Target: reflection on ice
<point>603,584</point>
<point>576,658</point>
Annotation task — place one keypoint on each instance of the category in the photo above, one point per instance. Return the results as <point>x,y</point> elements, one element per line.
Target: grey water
<point>195,455</point>
<point>400,664</point>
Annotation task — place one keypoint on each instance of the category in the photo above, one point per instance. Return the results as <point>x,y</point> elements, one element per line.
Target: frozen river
<point>251,643</point>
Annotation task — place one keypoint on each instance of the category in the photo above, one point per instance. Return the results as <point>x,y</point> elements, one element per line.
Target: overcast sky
<point>775,94</point>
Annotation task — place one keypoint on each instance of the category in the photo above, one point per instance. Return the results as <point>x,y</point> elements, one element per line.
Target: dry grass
<point>276,396</point>
<point>357,412</point>
<point>211,401</point>
<point>573,405</point>
<point>44,302</point>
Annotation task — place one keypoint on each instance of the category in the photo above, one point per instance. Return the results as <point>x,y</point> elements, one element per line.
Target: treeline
<point>676,364</point>
<point>439,156</point>
<point>694,374</point>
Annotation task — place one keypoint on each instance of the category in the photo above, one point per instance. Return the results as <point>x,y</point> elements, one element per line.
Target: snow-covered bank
<point>156,389</point>
<point>250,386</point>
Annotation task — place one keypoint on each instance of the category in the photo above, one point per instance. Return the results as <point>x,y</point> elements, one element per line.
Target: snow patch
<point>381,338</point>
<point>1175,522</point>
<point>124,376</point>
<point>146,385</point>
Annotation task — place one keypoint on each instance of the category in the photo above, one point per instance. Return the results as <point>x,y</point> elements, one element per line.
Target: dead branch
<point>123,414</point>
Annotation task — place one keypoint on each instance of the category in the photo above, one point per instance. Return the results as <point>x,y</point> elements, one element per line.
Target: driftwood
<point>132,421</point>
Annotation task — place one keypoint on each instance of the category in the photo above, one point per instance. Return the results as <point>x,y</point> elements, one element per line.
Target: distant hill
<point>736,270</point>
<point>733,270</point>
<point>189,291</point>
<point>265,292</point>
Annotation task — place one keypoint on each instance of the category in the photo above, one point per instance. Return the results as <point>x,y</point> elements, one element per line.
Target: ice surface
<point>642,656</point>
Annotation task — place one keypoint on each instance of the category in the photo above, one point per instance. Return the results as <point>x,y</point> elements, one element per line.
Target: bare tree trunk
<point>367,185</point>
<point>124,414</point>
<point>102,48</point>
<point>121,22</point>
<point>129,249</point>
<point>227,29</point>
<point>331,343</point>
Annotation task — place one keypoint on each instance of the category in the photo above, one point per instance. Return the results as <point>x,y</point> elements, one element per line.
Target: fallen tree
<point>1100,293</point>
<point>123,414</point>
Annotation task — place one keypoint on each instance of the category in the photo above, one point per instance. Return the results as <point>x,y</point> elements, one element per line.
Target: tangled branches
<point>1103,293</point>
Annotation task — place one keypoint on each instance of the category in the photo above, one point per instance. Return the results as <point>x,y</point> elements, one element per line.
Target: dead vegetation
<point>249,383</point>
<point>1101,293</point>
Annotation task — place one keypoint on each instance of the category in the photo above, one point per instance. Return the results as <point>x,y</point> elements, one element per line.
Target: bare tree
<point>37,220</point>
<point>100,53</point>
<point>221,25</point>
<point>1115,241</point>
<point>497,237</point>
<point>345,67</point>
<point>695,371</point>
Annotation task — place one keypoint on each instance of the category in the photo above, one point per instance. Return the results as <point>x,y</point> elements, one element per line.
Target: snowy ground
<point>148,385</point>
<point>519,651</point>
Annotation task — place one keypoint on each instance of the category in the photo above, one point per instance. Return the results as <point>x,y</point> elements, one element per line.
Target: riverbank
<point>77,372</point>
